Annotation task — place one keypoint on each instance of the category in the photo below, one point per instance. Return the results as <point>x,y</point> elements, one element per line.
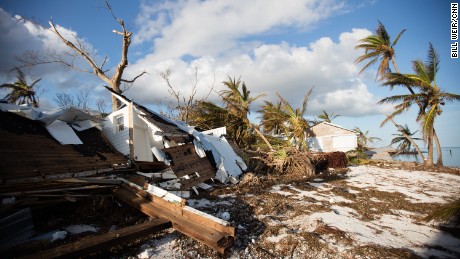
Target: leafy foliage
<point>404,144</point>
<point>378,47</point>
<point>21,91</point>
<point>430,97</point>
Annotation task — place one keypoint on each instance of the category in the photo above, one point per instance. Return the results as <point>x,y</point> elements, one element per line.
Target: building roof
<point>169,128</point>
<point>317,129</point>
<point>27,150</point>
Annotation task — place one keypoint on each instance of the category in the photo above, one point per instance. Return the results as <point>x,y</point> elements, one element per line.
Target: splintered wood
<point>190,169</point>
<point>207,229</point>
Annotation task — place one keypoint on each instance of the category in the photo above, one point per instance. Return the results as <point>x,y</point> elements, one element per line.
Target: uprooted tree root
<point>285,161</point>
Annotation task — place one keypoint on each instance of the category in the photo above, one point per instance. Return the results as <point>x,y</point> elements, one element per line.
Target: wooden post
<point>211,231</point>
<point>131,130</point>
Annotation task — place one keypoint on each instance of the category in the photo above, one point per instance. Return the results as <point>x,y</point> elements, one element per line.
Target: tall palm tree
<point>430,97</point>
<point>364,139</point>
<point>238,104</point>
<point>404,144</point>
<point>327,117</point>
<point>21,91</point>
<point>273,118</point>
<point>379,46</point>
<point>297,125</point>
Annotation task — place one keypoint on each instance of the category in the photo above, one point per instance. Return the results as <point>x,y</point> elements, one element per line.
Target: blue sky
<point>275,46</point>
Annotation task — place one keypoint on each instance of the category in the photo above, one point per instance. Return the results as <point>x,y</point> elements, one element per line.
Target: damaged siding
<point>119,139</point>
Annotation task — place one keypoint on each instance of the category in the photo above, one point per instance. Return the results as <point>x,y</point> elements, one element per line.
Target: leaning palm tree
<point>297,125</point>
<point>238,104</point>
<point>21,91</point>
<point>364,139</point>
<point>430,97</point>
<point>326,117</point>
<point>404,144</point>
<point>379,46</point>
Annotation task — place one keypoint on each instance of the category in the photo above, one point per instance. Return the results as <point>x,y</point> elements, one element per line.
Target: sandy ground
<point>368,212</point>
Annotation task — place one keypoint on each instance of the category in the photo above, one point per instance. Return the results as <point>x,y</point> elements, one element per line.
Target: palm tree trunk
<point>438,149</point>
<point>429,159</point>
<point>410,139</point>
<point>262,136</point>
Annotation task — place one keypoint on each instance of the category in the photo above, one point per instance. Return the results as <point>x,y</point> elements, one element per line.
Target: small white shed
<point>328,137</point>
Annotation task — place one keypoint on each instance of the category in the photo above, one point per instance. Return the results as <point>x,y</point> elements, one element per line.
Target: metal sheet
<point>63,133</point>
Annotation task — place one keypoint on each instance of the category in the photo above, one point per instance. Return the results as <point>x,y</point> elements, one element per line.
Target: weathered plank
<point>202,227</point>
<point>104,241</point>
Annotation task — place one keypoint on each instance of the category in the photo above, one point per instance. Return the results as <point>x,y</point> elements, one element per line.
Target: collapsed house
<point>62,155</point>
<point>153,141</point>
<point>37,145</point>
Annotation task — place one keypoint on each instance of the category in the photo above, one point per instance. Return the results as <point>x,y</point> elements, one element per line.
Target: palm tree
<point>430,97</point>
<point>404,144</point>
<point>273,119</point>
<point>297,125</point>
<point>364,139</point>
<point>327,117</point>
<point>207,115</point>
<point>238,104</point>
<point>21,92</point>
<point>378,46</point>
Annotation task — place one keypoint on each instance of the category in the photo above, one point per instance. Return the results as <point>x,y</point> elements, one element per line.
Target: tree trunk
<point>429,160</point>
<point>115,102</point>
<point>438,149</point>
<point>262,136</point>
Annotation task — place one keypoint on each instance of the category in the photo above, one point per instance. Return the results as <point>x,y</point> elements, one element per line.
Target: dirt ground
<point>366,212</point>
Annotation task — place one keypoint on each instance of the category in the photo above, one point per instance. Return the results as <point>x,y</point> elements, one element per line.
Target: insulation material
<point>63,133</point>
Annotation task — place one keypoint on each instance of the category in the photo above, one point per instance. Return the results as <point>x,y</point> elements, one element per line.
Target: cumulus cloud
<point>270,68</point>
<point>213,35</point>
<point>199,28</point>
<point>21,35</point>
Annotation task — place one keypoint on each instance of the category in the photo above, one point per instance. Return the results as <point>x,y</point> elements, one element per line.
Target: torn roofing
<point>27,149</point>
<point>163,123</point>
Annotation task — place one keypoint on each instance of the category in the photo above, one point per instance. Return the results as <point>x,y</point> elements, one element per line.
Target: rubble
<point>60,157</point>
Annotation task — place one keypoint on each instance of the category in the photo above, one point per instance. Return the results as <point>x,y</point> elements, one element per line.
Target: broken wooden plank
<point>104,241</point>
<point>207,229</point>
<point>150,166</point>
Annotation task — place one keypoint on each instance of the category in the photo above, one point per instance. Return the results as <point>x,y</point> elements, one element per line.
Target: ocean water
<point>450,156</point>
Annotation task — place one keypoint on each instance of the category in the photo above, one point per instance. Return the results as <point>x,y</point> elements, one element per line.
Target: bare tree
<point>82,99</point>
<point>79,49</point>
<point>184,104</point>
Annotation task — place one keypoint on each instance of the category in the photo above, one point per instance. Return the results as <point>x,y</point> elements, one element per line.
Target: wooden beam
<point>104,241</point>
<point>207,229</point>
<point>131,130</point>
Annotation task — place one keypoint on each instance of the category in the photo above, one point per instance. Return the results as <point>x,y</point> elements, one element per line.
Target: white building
<point>328,137</point>
<point>147,136</point>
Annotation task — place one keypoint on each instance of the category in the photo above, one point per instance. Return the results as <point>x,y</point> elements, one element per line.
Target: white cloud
<point>200,28</point>
<point>289,70</point>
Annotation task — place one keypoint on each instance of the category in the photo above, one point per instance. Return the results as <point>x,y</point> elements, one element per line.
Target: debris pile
<point>324,161</point>
<point>62,157</point>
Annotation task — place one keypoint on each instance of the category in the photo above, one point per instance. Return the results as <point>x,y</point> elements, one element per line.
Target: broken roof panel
<point>63,133</point>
